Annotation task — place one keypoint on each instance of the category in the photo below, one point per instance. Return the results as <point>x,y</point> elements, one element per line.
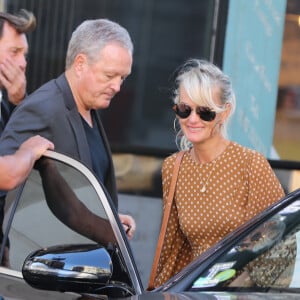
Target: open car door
<point>62,203</point>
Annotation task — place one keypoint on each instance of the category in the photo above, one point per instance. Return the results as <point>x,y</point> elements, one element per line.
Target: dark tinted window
<point>34,225</point>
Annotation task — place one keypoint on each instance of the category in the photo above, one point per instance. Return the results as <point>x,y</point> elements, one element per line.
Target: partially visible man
<point>66,110</point>
<point>13,51</point>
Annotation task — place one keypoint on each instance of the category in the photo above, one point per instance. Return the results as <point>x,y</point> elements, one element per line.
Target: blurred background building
<point>255,42</point>
<point>286,128</point>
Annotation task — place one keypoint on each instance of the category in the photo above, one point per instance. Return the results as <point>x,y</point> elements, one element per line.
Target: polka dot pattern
<point>239,184</point>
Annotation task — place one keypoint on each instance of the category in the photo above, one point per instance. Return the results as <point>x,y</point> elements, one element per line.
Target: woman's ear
<point>226,113</point>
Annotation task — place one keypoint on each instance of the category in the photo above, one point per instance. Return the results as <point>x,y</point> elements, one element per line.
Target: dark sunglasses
<point>183,111</point>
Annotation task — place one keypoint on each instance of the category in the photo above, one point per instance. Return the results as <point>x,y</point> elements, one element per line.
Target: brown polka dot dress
<point>211,200</point>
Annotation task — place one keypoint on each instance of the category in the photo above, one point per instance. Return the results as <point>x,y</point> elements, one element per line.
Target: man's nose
<point>116,84</point>
<point>22,62</point>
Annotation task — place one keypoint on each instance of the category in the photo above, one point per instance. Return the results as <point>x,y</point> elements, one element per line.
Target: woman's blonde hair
<point>199,78</point>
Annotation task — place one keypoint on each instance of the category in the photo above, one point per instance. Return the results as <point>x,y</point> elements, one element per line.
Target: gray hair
<point>93,35</point>
<point>199,78</point>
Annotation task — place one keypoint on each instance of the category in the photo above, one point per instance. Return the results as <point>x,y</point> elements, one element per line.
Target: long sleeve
<point>264,187</point>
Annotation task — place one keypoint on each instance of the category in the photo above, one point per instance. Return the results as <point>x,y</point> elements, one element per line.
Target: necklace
<point>203,189</point>
<point>214,162</point>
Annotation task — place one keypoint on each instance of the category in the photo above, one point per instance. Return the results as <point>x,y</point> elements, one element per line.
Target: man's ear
<point>80,62</point>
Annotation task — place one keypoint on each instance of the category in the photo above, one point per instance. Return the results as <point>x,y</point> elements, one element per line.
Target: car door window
<point>40,214</point>
<point>267,258</point>
<point>34,225</point>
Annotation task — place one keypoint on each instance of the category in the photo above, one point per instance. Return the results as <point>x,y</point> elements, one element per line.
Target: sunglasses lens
<point>206,114</point>
<point>182,110</point>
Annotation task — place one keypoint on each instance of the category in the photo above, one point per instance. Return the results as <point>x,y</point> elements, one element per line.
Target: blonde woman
<point>220,184</point>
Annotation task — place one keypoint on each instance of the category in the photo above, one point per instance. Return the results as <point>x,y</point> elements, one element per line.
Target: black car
<point>52,258</point>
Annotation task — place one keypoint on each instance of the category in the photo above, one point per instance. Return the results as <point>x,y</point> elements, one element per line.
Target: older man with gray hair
<point>66,110</point>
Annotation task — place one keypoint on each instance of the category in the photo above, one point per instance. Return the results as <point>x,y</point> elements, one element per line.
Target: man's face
<point>13,47</point>
<point>98,82</point>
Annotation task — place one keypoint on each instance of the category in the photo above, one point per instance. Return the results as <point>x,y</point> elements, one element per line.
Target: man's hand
<point>13,79</point>
<point>128,224</point>
<point>36,145</point>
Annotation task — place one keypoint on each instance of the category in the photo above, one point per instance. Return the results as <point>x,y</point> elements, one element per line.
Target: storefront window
<point>286,131</point>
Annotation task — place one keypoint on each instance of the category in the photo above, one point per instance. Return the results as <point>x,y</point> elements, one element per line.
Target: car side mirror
<point>69,268</point>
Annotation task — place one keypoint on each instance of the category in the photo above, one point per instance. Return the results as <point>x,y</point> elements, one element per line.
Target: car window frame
<point>110,211</point>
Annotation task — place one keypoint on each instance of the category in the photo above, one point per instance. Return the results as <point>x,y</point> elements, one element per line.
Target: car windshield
<point>267,258</point>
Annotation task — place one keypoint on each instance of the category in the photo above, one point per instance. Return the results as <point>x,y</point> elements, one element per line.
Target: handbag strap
<point>165,219</point>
